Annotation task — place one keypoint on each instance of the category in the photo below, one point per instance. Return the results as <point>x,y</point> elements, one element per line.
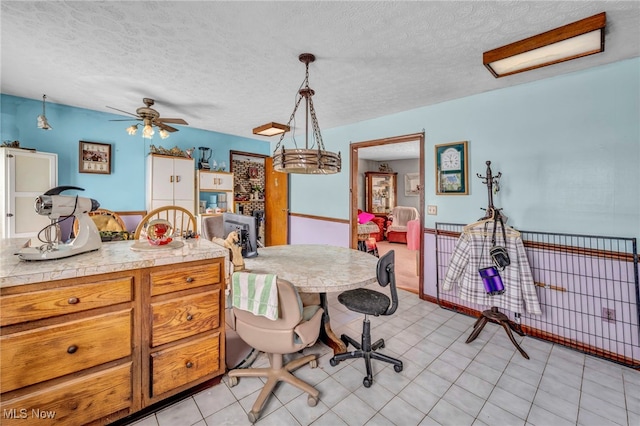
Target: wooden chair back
<point>181,219</point>
<point>105,220</point>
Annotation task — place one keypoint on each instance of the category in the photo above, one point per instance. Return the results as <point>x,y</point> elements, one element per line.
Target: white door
<point>184,183</point>
<point>225,181</point>
<point>162,178</point>
<point>208,180</point>
<point>27,175</point>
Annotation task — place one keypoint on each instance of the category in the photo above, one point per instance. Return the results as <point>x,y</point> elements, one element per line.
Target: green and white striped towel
<point>256,293</point>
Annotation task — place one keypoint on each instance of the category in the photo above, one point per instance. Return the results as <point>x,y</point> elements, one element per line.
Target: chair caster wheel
<point>311,401</point>
<point>233,381</point>
<point>398,368</point>
<point>313,363</point>
<point>367,382</point>
<point>252,417</point>
<point>333,362</point>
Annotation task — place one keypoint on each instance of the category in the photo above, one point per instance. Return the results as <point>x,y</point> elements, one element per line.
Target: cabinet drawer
<point>74,402</point>
<point>185,316</point>
<point>44,353</point>
<point>60,301</point>
<point>186,277</point>
<point>185,363</point>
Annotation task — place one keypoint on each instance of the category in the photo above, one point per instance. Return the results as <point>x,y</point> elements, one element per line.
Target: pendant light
<point>42,119</point>
<point>307,160</point>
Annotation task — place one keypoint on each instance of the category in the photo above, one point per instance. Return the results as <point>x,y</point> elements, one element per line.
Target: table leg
<point>326,334</point>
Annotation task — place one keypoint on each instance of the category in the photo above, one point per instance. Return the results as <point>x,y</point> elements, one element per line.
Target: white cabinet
<point>25,174</point>
<point>215,181</point>
<point>220,183</point>
<point>170,182</point>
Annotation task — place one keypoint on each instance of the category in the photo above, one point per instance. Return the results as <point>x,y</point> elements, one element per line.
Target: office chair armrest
<point>308,331</point>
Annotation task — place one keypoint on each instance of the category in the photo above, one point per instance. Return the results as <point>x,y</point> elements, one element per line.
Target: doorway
<point>262,192</point>
<point>384,152</point>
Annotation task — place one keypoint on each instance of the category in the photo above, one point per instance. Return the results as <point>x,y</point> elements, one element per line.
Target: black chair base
<point>367,351</point>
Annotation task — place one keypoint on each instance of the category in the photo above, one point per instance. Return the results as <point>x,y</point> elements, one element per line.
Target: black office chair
<point>370,302</point>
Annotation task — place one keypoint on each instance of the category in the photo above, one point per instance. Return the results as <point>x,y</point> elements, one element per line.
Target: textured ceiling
<point>231,66</point>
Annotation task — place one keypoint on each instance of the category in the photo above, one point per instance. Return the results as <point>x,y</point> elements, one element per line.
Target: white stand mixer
<point>55,206</point>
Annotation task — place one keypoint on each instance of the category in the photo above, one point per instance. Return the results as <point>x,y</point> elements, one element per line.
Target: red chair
<point>397,230</point>
<point>380,221</point>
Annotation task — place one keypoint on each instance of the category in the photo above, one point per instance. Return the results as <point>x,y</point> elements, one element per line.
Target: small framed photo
<point>95,158</point>
<point>452,165</point>
<point>412,184</point>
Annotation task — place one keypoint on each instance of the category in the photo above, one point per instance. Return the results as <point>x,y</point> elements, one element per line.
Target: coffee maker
<point>205,155</point>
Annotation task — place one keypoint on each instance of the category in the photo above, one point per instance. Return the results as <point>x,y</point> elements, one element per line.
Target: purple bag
<point>491,280</point>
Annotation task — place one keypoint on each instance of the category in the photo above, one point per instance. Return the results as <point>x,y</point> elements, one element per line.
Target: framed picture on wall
<point>95,158</point>
<point>412,184</point>
<point>452,169</point>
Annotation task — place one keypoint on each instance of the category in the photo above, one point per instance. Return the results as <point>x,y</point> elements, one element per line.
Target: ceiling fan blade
<point>130,113</point>
<point>128,119</point>
<point>165,127</point>
<point>172,120</point>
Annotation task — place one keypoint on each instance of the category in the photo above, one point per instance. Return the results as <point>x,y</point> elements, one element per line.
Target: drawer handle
<point>189,279</point>
<point>73,300</point>
<point>72,349</point>
<point>189,317</point>
<point>189,364</point>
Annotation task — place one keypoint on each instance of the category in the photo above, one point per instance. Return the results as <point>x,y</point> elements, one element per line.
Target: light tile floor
<point>444,381</point>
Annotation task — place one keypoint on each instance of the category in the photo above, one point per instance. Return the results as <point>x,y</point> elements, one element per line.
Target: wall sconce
<point>575,40</point>
<point>42,119</point>
<point>271,129</point>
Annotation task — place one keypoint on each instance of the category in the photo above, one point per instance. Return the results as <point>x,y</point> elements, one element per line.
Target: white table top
<point>316,268</point>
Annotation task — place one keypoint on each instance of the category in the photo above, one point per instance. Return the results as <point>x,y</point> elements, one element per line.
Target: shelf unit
<point>220,183</point>
<point>381,192</point>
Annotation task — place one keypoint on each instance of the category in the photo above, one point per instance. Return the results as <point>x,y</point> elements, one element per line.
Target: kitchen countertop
<point>111,257</point>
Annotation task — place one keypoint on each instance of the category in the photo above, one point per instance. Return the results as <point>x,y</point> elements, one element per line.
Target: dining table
<point>317,268</point>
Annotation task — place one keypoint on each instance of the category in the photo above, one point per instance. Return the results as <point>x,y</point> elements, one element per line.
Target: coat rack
<point>493,185</point>
<point>493,314</point>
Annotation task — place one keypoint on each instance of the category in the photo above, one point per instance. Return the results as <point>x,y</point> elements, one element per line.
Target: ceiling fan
<point>150,116</point>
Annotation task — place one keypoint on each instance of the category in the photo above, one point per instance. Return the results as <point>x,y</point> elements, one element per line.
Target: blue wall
<point>124,188</point>
<point>568,148</point>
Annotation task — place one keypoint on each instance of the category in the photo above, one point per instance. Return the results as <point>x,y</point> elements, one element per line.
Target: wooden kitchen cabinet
<point>186,334</point>
<point>95,349</point>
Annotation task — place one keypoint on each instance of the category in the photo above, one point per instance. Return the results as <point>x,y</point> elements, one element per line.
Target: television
<point>247,229</point>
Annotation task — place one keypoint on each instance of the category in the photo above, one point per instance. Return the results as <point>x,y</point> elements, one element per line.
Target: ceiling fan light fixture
<point>271,129</point>
<point>133,129</point>
<point>42,119</point>
<point>310,159</point>
<point>150,118</point>
<point>147,131</point>
<point>581,38</point>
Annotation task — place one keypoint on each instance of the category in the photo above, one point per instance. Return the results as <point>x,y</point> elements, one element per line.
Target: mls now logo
<point>23,413</point>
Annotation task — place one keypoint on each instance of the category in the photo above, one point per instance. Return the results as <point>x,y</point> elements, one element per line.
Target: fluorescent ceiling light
<point>575,40</point>
<point>271,129</point>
